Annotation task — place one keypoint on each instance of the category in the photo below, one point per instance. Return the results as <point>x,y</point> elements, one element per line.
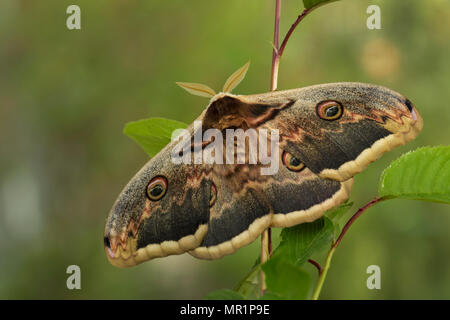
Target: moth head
<point>162,204</point>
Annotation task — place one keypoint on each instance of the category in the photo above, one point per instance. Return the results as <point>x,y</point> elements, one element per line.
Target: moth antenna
<point>197,89</point>
<point>235,78</point>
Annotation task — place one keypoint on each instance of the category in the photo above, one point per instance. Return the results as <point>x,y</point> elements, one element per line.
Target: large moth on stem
<point>326,134</point>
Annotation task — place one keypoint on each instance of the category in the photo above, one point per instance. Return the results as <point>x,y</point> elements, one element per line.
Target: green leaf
<point>423,174</point>
<point>336,214</point>
<point>298,243</point>
<point>248,287</point>
<point>224,294</point>
<point>285,280</point>
<point>268,295</point>
<point>152,134</point>
<point>308,4</point>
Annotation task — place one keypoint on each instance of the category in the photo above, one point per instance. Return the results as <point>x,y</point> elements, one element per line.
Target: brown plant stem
<point>264,258</point>
<point>335,244</point>
<point>275,54</point>
<point>301,16</point>
<point>353,219</point>
<point>317,265</point>
<point>277,49</point>
<point>266,236</point>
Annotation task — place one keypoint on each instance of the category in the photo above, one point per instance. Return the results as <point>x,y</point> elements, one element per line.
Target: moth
<point>327,133</point>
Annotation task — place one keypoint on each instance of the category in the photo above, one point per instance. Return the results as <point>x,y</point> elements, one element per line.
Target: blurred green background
<point>66,95</point>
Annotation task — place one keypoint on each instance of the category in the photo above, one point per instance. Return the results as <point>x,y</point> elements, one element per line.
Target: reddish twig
<point>269,231</point>
<point>275,54</point>
<point>317,265</point>
<point>278,50</point>
<point>292,28</point>
<point>324,272</point>
<point>266,236</point>
<point>353,219</point>
<point>273,86</point>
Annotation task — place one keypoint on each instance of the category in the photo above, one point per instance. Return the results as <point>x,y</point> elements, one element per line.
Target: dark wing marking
<point>245,209</point>
<point>232,111</point>
<point>177,221</point>
<point>375,120</point>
